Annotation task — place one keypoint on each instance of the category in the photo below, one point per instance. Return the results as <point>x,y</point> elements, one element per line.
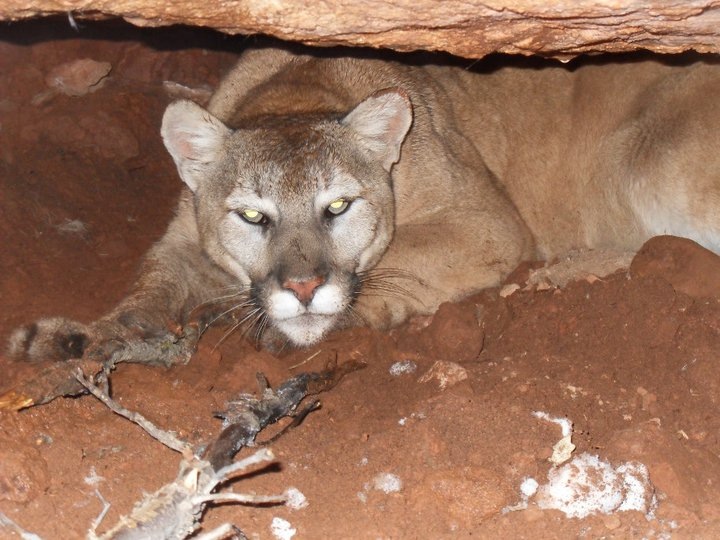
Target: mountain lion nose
<point>304,290</point>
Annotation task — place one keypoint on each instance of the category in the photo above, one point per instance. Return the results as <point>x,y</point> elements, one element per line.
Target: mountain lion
<point>326,191</point>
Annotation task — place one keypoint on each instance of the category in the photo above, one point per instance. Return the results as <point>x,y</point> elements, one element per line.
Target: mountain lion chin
<point>307,329</point>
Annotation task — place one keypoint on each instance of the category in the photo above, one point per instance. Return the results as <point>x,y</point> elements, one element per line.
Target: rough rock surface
<point>468,28</point>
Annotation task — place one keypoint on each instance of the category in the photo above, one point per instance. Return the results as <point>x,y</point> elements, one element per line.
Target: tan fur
<point>496,167</point>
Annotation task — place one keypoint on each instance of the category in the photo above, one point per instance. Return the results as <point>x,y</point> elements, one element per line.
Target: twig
<point>241,498</point>
<point>247,415</point>
<point>313,355</point>
<point>10,524</point>
<point>297,419</point>
<point>165,437</point>
<point>106,506</point>
<point>174,511</point>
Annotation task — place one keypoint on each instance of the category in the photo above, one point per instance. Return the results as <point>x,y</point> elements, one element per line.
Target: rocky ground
<point>434,438</point>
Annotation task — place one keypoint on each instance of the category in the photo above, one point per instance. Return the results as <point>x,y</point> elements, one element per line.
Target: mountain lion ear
<point>382,122</point>
<point>193,137</point>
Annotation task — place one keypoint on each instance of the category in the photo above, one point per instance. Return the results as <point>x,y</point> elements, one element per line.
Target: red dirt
<point>630,359</point>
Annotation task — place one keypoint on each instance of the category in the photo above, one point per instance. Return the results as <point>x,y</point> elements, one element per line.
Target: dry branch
<point>175,510</point>
<point>247,415</point>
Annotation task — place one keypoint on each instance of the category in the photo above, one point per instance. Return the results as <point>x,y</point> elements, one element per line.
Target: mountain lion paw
<point>136,335</point>
<point>122,336</point>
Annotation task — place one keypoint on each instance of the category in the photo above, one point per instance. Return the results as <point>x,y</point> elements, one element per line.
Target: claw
<point>175,328</point>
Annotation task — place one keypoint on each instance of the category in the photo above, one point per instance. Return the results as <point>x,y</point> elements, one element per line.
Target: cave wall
<point>469,28</point>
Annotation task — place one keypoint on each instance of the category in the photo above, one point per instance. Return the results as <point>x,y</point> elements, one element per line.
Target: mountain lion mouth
<point>306,329</point>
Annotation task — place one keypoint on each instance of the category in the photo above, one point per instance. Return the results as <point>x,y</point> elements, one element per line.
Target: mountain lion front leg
<point>431,263</point>
<point>173,279</point>
<point>146,315</point>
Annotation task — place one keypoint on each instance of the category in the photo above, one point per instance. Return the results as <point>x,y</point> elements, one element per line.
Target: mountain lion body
<point>323,192</point>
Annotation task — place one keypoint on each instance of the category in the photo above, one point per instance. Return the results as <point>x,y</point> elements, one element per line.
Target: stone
<point>686,265</point>
<point>467,28</point>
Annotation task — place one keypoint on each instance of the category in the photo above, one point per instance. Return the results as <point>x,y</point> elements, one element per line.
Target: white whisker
<point>222,298</point>
<point>252,313</point>
<point>230,310</point>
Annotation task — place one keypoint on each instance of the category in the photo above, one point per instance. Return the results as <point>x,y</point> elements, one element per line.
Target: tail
<point>55,338</point>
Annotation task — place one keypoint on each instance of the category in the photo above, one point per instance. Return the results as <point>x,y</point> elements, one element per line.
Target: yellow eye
<point>253,216</point>
<point>337,207</point>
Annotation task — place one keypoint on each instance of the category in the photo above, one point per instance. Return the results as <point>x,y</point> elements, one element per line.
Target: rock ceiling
<point>469,28</point>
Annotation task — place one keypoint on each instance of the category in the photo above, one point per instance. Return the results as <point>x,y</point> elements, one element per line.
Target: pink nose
<point>304,290</point>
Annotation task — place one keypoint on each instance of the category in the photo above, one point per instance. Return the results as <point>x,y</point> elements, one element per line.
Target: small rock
<point>446,373</point>
<point>282,529</point>
<point>647,398</point>
<point>404,367</point>
<point>529,487</point>
<point>686,265</point>
<point>387,483</point>
<point>508,290</point>
<point>78,77</point>
<point>295,499</point>
<point>453,332</point>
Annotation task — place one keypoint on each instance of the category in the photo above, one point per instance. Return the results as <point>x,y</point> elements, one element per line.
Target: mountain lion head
<point>295,208</point>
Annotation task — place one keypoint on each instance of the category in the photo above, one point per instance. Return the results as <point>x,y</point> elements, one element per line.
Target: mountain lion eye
<point>253,216</point>
<point>337,207</point>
